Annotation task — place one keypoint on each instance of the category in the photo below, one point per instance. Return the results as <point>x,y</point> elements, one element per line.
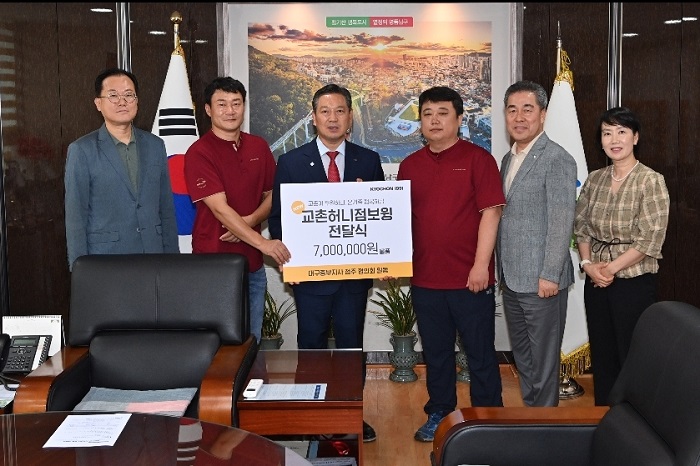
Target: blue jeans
<point>257,284</point>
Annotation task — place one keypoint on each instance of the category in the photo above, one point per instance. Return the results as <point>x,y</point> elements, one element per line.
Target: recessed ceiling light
<point>630,34</point>
<point>672,21</point>
<point>157,33</point>
<point>689,18</point>
<point>101,10</point>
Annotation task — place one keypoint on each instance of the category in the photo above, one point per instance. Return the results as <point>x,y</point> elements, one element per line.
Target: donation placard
<point>339,231</point>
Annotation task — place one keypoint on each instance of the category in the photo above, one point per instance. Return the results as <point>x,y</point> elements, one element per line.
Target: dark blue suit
<point>318,301</point>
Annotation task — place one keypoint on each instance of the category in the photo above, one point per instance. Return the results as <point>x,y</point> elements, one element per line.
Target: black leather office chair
<point>654,417</point>
<point>152,322</point>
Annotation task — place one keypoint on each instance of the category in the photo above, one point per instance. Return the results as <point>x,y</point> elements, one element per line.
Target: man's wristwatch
<point>582,263</point>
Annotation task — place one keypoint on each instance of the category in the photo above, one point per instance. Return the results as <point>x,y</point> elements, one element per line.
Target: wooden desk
<point>147,440</point>
<point>339,413</point>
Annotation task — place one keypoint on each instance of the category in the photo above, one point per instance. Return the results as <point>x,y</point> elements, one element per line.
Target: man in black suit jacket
<point>343,300</point>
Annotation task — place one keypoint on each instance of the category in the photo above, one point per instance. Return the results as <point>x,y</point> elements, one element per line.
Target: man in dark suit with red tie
<point>345,301</point>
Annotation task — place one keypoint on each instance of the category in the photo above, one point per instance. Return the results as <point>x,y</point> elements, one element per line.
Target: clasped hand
<point>600,275</point>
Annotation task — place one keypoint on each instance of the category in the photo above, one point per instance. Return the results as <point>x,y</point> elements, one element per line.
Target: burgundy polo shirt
<point>448,192</point>
<point>214,165</point>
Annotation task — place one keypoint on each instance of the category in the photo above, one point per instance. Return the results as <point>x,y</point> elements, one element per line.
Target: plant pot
<point>271,343</point>
<point>404,358</point>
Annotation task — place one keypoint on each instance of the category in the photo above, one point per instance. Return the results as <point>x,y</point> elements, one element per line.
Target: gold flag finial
<point>176,19</point>
<point>565,74</point>
<point>563,71</point>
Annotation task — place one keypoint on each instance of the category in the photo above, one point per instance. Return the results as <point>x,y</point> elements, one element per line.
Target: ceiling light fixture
<point>101,10</point>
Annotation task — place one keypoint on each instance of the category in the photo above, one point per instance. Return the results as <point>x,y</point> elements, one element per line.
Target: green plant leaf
<point>275,314</point>
<point>397,312</point>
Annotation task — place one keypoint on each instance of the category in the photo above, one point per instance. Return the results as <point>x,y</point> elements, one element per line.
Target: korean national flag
<point>175,124</point>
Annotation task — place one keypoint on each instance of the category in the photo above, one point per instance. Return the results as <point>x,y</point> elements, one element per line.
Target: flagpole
<point>558,50</point>
<point>176,19</point>
<point>573,363</point>
<point>569,388</point>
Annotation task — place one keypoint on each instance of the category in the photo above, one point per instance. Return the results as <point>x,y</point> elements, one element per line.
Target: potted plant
<point>273,316</point>
<point>397,315</point>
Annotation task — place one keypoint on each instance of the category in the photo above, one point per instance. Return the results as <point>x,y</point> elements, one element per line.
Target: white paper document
<point>347,230</point>
<point>90,430</point>
<point>6,396</point>
<point>349,461</point>
<point>287,391</point>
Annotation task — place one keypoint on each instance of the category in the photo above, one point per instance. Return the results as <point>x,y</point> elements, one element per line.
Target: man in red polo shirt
<point>229,176</point>
<point>456,203</point>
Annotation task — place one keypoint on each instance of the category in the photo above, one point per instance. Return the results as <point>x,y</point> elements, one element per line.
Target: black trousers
<point>443,313</point>
<point>611,315</point>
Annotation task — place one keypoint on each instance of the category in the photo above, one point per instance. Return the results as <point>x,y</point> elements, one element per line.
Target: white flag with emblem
<point>561,126</point>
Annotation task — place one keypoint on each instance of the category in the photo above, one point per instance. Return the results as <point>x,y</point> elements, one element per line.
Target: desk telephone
<point>23,353</point>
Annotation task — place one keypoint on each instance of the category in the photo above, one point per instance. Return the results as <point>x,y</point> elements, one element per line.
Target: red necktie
<point>333,173</point>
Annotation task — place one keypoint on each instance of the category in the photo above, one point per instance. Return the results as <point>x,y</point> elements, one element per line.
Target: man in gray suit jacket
<point>535,268</point>
<point>118,196</point>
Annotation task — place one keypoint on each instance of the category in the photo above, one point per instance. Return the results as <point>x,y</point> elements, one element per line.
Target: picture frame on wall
<point>386,55</point>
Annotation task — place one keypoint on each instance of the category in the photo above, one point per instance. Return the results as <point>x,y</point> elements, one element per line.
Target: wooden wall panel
<point>53,48</point>
<point>584,37</point>
<point>55,51</point>
<point>683,249</point>
<point>650,84</point>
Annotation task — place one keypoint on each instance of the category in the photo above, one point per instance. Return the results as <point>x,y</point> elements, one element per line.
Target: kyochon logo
<point>298,207</point>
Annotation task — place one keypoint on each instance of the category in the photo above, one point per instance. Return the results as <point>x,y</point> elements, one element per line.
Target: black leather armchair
<point>152,322</point>
<point>653,419</point>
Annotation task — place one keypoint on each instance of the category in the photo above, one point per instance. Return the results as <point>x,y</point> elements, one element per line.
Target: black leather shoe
<point>368,433</point>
